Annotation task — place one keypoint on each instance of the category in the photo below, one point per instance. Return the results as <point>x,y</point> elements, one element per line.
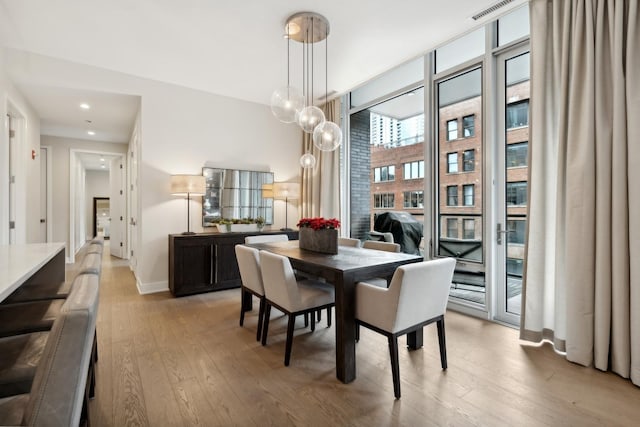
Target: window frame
<point>449,195</point>
<point>449,164</point>
<point>449,138</point>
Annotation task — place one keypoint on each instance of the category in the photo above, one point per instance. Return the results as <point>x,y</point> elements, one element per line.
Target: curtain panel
<point>582,276</point>
<point>320,194</point>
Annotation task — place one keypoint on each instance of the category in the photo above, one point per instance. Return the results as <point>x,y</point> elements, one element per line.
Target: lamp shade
<point>267,191</point>
<point>183,185</point>
<point>286,190</point>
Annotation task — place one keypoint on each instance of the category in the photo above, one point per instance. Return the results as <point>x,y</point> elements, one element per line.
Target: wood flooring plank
<point>129,406</point>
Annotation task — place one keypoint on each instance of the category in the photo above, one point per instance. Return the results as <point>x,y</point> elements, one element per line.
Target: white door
<point>13,161</point>
<point>43,195</point>
<point>117,208</point>
<point>133,201</point>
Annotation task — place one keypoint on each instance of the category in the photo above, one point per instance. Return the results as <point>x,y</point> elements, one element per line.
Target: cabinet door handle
<point>211,261</point>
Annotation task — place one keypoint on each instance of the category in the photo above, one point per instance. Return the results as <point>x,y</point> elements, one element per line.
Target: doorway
<point>101,217</point>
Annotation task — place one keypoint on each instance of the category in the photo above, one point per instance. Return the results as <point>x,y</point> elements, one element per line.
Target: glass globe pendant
<point>307,161</point>
<point>310,117</point>
<point>286,103</point>
<point>327,136</point>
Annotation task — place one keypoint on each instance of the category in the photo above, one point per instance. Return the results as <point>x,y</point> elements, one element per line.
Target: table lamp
<point>188,185</point>
<point>286,191</point>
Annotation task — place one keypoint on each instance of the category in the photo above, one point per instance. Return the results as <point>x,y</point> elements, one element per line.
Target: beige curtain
<point>582,278</point>
<point>321,184</point>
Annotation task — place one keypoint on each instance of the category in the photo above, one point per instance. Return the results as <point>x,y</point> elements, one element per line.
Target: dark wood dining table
<point>343,270</point>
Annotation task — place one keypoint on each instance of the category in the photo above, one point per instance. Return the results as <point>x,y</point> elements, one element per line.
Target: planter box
<point>324,240</point>
<point>237,228</point>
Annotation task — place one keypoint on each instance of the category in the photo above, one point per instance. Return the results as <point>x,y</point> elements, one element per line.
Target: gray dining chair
<point>380,246</point>
<point>417,296</point>
<point>266,238</point>
<point>348,241</point>
<point>249,265</point>
<point>290,296</point>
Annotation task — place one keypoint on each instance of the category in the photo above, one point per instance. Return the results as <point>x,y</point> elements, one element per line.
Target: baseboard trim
<point>69,260</point>
<point>151,288</point>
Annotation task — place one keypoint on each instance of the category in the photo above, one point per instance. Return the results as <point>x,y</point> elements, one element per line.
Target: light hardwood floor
<point>168,361</point>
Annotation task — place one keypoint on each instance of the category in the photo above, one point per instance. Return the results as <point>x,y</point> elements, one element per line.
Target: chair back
<point>91,264</point>
<point>422,291</point>
<point>280,284</point>
<point>266,238</point>
<point>348,241</point>
<point>249,265</point>
<point>58,388</point>
<point>381,246</point>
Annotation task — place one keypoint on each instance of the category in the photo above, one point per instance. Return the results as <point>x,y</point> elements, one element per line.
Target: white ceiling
<point>96,162</point>
<point>231,48</point>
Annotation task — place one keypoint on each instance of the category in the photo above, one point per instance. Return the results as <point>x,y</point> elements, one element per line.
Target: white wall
<point>60,152</point>
<point>180,130</point>
<point>28,173</point>
<point>96,185</point>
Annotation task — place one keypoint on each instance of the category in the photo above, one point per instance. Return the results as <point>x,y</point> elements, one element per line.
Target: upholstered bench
<point>58,394</point>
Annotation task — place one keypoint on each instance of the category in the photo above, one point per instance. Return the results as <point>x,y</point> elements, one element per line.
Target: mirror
<point>235,194</point>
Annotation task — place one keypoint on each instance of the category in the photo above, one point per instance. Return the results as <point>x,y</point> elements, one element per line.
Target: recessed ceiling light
<point>85,106</point>
<point>102,166</point>
<point>90,132</point>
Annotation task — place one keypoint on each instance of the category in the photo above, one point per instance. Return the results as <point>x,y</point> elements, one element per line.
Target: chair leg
<point>260,319</point>
<point>306,320</point>
<point>290,327</point>
<point>395,367</point>
<point>329,317</point>
<point>265,326</point>
<point>242,307</point>
<point>319,315</point>
<point>357,332</point>
<point>443,344</point>
<point>313,322</point>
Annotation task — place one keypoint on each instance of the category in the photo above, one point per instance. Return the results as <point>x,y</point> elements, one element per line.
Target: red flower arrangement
<point>319,223</point>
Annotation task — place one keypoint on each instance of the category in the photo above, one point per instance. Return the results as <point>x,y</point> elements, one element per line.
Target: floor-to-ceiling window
<point>463,170</point>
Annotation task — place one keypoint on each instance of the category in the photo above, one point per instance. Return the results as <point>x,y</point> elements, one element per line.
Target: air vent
<point>490,9</point>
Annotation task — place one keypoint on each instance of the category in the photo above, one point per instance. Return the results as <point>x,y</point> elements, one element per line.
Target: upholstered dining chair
<point>292,297</point>
<point>249,264</point>
<point>417,296</point>
<point>380,246</point>
<point>348,241</point>
<point>266,238</point>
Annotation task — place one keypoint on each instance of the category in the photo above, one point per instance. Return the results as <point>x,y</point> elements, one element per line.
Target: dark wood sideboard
<point>206,262</point>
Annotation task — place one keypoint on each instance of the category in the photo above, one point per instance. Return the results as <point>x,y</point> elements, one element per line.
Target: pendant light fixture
<point>289,104</point>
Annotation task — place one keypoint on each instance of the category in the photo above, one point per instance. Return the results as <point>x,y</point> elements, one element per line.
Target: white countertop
<point>19,262</point>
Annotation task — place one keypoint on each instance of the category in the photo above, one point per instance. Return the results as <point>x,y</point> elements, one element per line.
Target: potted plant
<point>259,222</point>
<point>319,234</point>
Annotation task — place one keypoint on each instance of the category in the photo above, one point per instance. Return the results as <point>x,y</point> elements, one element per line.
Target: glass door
<point>512,183</point>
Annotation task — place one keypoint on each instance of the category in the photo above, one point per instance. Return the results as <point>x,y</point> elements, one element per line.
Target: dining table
<point>344,270</point>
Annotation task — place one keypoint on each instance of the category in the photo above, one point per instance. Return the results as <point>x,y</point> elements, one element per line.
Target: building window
<point>452,228</point>
<point>413,199</point>
<point>468,126</point>
<point>518,114</point>
<point>452,162</point>
<point>468,229</point>
<point>452,129</point>
<point>468,191</point>
<point>383,201</point>
<point>452,195</point>
<point>516,231</point>
<point>468,160</point>
<point>414,170</point>
<point>517,193</point>
<point>517,154</point>
<point>384,173</point>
